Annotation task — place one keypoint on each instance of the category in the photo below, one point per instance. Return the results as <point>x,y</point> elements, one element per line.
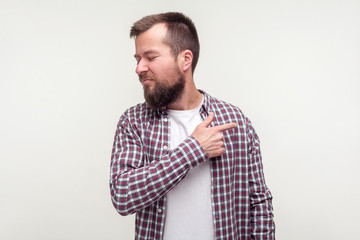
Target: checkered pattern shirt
<point>144,169</point>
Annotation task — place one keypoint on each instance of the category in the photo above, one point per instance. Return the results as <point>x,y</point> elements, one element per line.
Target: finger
<point>226,126</point>
<point>208,120</point>
<point>218,137</point>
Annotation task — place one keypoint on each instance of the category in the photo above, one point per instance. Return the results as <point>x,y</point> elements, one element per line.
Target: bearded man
<point>189,165</point>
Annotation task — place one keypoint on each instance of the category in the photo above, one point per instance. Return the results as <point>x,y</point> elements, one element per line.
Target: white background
<point>67,73</point>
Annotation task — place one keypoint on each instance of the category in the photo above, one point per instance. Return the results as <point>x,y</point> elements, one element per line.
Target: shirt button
<point>165,120</point>
<point>165,147</point>
<point>159,210</point>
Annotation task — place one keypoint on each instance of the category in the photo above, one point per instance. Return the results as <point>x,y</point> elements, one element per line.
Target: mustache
<point>146,76</point>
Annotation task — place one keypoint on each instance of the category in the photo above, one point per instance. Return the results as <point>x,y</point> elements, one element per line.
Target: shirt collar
<point>207,103</point>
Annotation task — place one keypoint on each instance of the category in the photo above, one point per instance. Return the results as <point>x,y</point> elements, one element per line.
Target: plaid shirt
<point>144,169</point>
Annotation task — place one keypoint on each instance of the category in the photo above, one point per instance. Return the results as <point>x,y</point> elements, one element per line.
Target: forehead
<point>152,39</point>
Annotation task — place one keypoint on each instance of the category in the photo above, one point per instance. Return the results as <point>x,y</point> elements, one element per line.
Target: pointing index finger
<point>226,126</point>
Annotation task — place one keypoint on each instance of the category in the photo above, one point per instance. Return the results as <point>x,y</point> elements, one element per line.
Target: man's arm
<point>262,218</point>
<point>134,183</point>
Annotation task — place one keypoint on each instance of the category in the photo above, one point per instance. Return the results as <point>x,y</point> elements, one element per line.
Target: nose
<point>141,67</point>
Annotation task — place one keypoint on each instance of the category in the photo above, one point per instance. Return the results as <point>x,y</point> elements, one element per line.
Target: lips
<point>146,79</point>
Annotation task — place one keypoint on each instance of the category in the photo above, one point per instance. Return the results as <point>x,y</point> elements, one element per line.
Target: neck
<point>190,99</point>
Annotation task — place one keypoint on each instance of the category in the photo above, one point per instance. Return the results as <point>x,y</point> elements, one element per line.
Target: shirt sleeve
<point>261,210</point>
<point>135,183</point>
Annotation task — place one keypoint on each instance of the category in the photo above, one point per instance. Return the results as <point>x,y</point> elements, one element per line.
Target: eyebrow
<point>146,53</point>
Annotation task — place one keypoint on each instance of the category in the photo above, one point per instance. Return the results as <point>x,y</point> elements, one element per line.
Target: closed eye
<point>152,58</point>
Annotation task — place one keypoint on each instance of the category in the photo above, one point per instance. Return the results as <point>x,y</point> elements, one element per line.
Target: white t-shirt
<point>189,211</point>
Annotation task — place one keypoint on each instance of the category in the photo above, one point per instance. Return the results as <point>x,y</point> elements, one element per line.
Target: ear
<point>186,59</point>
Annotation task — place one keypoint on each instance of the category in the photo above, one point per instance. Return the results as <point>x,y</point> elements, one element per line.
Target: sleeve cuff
<point>193,152</point>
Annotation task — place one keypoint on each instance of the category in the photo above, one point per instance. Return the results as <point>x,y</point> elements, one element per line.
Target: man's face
<point>158,70</point>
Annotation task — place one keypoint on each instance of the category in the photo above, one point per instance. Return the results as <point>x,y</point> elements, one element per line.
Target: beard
<point>163,94</point>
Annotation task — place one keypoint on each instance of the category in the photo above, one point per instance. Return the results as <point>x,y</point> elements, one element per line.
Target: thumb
<point>208,120</point>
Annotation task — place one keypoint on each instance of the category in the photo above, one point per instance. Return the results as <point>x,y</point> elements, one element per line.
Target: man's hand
<point>211,138</point>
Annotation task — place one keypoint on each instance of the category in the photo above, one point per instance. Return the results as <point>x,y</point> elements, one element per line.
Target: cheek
<point>175,72</point>
<point>165,71</point>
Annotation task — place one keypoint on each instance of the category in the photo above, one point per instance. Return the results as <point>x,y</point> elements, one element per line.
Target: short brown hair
<point>181,32</point>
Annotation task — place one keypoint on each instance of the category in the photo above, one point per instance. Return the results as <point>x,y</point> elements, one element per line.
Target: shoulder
<point>135,114</point>
<point>226,112</point>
